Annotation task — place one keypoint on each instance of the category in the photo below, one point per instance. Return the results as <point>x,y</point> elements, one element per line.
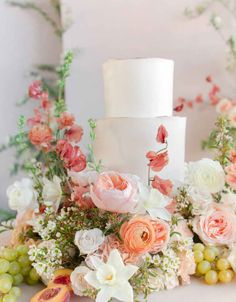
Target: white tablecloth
<point>196,292</point>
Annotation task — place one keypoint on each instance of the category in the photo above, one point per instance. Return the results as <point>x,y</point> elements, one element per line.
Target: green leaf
<point>6,215</point>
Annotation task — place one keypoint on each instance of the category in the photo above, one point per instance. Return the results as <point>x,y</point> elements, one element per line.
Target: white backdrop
<point>109,29</point>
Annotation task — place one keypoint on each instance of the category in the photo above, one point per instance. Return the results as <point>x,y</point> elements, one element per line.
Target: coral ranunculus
<point>217,227</point>
<point>157,161</point>
<point>40,135</point>
<point>115,192</point>
<point>162,135</point>
<point>165,186</point>
<point>72,156</point>
<point>141,234</point>
<point>231,176</point>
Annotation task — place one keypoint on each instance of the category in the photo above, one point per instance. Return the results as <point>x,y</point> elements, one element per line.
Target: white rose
<point>21,195</point>
<point>206,175</point>
<point>79,284</point>
<point>89,240</point>
<point>52,191</point>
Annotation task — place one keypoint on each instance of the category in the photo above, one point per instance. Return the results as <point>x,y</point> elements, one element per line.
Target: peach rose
<point>40,135</point>
<point>141,234</point>
<point>231,176</point>
<point>157,161</point>
<point>217,227</point>
<point>115,192</point>
<point>165,186</point>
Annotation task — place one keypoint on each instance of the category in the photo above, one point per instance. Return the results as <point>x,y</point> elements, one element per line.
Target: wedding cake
<point>138,99</point>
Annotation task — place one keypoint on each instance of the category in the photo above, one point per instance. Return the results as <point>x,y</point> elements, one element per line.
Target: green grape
<point>18,279</point>
<point>15,291</point>
<point>216,250</point>
<point>203,267</point>
<point>6,276</point>
<point>4,266</point>
<point>25,270</point>
<point>209,254</point>
<point>225,276</point>
<point>198,247</point>
<point>198,256</point>
<point>14,268</point>
<point>24,260</point>
<point>29,281</point>
<point>9,298</point>
<point>22,249</point>
<point>33,274</point>
<point>222,264</point>
<point>10,254</point>
<point>211,277</point>
<point>5,285</point>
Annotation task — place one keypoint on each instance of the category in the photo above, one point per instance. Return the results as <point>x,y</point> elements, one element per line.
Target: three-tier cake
<point>138,99</point>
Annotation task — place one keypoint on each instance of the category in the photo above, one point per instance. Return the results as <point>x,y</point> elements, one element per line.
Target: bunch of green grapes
<point>15,268</point>
<point>211,266</point>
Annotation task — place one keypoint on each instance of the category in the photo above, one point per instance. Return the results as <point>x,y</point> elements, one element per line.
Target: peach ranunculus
<point>162,135</point>
<point>72,156</point>
<point>157,161</point>
<point>217,227</point>
<point>165,186</point>
<point>74,134</point>
<point>40,135</point>
<point>65,120</point>
<point>141,234</point>
<point>115,192</point>
<point>231,176</point>
<point>224,106</point>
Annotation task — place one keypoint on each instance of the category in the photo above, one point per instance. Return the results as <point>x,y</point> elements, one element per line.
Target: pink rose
<point>162,135</point>
<point>40,135</point>
<point>115,192</point>
<point>217,227</point>
<point>231,176</point>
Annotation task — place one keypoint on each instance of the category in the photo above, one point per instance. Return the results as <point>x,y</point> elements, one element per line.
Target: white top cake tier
<point>138,87</point>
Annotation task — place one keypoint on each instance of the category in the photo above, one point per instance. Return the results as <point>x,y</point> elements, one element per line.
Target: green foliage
<point>6,215</point>
<point>92,163</point>
<point>221,140</point>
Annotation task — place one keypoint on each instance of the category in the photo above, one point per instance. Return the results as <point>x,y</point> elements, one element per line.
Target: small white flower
<point>111,278</point>
<point>155,204</point>
<point>206,175</point>
<point>21,195</point>
<point>79,285</point>
<point>201,200</point>
<point>52,191</point>
<point>89,240</point>
<point>84,178</point>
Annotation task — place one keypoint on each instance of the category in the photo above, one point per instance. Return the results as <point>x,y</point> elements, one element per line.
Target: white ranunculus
<point>78,283</point>
<point>206,175</point>
<point>22,195</point>
<point>52,191</point>
<point>89,240</point>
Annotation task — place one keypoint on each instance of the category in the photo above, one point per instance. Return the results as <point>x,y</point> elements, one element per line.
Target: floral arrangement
<point>105,234</point>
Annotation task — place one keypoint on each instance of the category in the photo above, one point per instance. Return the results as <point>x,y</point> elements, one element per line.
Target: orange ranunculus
<point>40,135</point>
<point>138,235</point>
<point>157,161</point>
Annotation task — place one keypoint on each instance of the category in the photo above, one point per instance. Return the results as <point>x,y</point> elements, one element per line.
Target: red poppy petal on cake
<point>157,161</point>
<point>162,134</point>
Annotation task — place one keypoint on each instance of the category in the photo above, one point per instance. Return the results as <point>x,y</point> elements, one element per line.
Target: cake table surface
<point>195,292</point>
